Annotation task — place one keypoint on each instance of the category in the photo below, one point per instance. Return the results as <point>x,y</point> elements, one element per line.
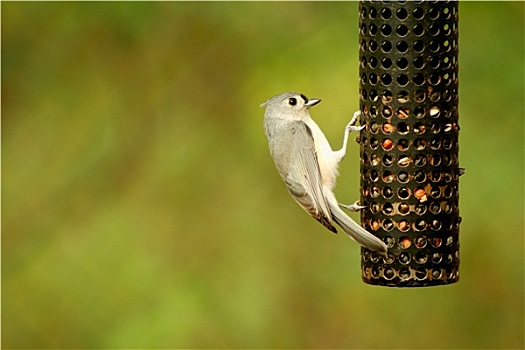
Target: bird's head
<point>289,105</point>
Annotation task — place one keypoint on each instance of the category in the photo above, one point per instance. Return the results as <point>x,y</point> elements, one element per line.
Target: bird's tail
<point>359,234</point>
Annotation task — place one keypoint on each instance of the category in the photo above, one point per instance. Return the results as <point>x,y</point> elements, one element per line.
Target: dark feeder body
<point>409,148</point>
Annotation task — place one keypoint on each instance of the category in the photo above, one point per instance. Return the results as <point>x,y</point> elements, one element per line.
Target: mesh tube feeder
<point>409,147</point>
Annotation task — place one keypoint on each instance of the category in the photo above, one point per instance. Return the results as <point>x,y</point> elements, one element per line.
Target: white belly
<point>327,162</point>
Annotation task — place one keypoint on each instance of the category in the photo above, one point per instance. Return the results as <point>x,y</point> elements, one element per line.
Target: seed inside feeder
<point>404,242</point>
<point>421,195</point>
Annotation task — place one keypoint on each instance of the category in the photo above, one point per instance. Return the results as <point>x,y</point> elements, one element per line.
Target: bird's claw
<point>356,116</point>
<point>353,207</point>
<point>351,125</point>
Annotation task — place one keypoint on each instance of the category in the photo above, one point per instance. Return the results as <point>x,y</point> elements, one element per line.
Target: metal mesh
<point>409,148</point>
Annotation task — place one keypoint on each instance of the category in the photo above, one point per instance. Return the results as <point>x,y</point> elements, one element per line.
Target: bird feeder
<point>409,148</point>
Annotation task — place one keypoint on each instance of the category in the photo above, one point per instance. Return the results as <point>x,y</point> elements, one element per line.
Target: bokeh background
<point>141,209</point>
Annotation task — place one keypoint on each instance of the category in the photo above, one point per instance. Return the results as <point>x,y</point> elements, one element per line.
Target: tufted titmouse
<point>308,166</point>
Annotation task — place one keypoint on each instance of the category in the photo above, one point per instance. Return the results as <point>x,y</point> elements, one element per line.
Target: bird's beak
<point>312,102</point>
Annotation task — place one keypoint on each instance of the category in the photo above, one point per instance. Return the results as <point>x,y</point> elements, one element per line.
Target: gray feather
<point>296,160</point>
<point>359,234</point>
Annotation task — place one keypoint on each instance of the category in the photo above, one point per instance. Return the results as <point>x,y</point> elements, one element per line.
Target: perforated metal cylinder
<point>409,148</point>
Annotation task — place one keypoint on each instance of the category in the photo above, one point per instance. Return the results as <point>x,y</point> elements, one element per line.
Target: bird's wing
<point>304,176</point>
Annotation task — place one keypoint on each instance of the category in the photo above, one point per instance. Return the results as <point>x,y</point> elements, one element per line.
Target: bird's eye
<point>292,101</point>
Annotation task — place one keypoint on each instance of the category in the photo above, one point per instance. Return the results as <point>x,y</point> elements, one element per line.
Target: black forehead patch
<point>304,98</point>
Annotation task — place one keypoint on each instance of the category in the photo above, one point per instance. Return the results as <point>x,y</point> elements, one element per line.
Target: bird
<point>309,167</point>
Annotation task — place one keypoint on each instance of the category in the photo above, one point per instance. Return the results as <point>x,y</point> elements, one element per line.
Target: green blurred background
<point>141,208</point>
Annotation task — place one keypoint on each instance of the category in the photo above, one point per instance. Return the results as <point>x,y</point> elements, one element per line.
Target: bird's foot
<point>353,207</point>
<point>351,125</point>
